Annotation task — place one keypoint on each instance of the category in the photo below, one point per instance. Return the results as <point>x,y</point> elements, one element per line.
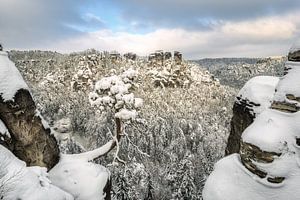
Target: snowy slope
<point>11,79</point>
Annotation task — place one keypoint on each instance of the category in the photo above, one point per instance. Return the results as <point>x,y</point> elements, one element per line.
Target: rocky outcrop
<point>159,57</point>
<point>29,137</point>
<point>267,166</point>
<point>241,119</point>
<point>130,56</point>
<point>294,55</point>
<point>252,99</point>
<point>30,141</point>
<point>177,57</point>
<point>167,55</point>
<point>287,97</point>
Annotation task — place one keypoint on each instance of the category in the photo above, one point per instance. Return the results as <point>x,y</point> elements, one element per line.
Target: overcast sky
<point>198,28</point>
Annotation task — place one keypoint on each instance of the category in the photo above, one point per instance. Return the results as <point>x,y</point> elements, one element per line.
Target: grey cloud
<point>38,23</point>
<point>200,14</point>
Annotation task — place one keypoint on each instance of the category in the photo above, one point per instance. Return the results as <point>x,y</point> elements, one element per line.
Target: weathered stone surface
<point>294,56</point>
<point>30,140</point>
<point>167,55</point>
<point>250,153</point>
<point>241,119</point>
<point>285,107</point>
<point>130,56</point>
<point>252,99</point>
<point>177,57</point>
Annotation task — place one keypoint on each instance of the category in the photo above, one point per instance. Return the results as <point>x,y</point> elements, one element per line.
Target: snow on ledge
<point>230,180</point>
<point>259,90</point>
<point>295,47</point>
<point>274,131</point>
<point>289,83</point>
<point>10,78</point>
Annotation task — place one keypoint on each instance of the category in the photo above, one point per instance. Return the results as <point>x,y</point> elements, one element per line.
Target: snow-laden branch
<point>101,151</point>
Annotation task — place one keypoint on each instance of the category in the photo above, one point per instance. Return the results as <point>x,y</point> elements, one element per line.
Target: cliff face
<point>29,137</point>
<point>241,119</point>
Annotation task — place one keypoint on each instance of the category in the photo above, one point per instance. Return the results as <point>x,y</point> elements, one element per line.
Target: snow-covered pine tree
<point>182,180</point>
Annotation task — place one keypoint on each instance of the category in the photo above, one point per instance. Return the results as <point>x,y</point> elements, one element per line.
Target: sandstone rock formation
<point>159,57</point>
<point>246,107</point>
<point>30,138</point>
<point>294,55</point>
<point>267,166</point>
<point>177,57</point>
<point>167,55</point>
<point>241,119</point>
<point>130,56</point>
<point>287,97</point>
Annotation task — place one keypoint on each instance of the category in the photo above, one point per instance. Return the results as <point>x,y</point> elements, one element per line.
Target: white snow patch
<point>138,102</point>
<point>259,90</point>
<point>3,130</point>
<point>130,74</point>
<point>27,183</point>
<point>126,114</point>
<point>230,180</point>
<point>289,83</point>
<point>84,180</point>
<point>11,79</point>
<point>295,47</point>
<point>128,98</point>
<point>274,131</point>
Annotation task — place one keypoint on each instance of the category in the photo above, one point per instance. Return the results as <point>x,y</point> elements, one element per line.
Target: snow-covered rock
<point>84,180</point>
<point>287,97</point>
<point>27,183</point>
<point>294,53</point>
<point>268,166</point>
<point>79,176</point>
<point>10,78</point>
<point>258,91</point>
<point>230,180</point>
<point>30,139</point>
<point>252,99</point>
<point>274,131</point>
